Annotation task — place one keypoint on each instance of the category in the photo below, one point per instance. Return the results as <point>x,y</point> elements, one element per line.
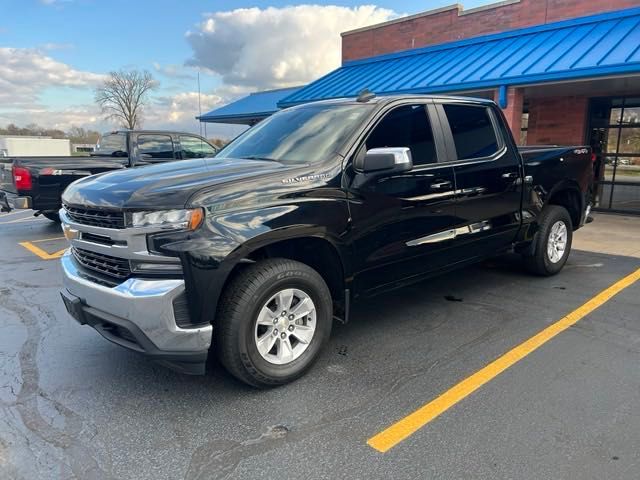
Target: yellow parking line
<point>41,253</point>
<point>405,427</point>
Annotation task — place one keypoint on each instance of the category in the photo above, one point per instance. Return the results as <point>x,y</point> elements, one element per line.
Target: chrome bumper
<point>141,306</point>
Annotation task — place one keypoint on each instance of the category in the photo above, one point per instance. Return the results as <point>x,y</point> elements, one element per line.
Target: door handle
<point>440,185</point>
<point>510,175</point>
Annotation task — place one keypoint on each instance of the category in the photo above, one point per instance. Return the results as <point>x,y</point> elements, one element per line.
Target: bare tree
<point>123,95</point>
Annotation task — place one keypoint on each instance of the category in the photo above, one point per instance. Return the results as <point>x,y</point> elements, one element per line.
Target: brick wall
<point>513,111</point>
<point>451,23</point>
<point>557,120</point>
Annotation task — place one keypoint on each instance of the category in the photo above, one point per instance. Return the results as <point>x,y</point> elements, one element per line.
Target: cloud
<point>174,71</point>
<point>249,49</point>
<point>87,116</point>
<point>176,112</point>
<point>25,73</point>
<point>276,47</point>
<point>180,109</point>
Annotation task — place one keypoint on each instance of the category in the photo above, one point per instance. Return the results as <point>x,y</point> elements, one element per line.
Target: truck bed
<point>50,175</point>
<point>548,164</point>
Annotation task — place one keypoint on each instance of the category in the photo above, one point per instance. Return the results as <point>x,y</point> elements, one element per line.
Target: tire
<point>554,220</point>
<point>251,304</point>
<point>53,216</point>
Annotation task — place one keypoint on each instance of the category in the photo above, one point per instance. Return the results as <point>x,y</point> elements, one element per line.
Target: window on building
<point>194,147</point>
<point>615,139</point>
<point>155,147</point>
<point>406,126</point>
<point>472,129</point>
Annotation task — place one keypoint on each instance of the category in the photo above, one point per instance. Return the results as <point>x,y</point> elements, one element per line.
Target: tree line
<point>75,134</point>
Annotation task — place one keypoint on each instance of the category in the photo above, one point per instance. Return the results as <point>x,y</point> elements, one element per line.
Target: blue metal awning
<point>588,47</point>
<point>250,109</point>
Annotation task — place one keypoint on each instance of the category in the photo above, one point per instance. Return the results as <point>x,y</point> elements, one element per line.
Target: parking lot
<point>72,405</point>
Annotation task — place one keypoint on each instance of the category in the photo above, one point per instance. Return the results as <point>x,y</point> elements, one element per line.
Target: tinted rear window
<point>473,132</point>
<point>114,144</point>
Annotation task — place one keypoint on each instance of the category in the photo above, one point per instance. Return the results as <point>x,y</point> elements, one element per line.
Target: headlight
<point>175,219</point>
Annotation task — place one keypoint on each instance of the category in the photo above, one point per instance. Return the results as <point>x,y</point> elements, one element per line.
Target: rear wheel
<point>53,216</point>
<point>553,243</point>
<point>273,320</point>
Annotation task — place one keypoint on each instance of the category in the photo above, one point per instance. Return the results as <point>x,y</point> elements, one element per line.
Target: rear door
<point>488,177</point>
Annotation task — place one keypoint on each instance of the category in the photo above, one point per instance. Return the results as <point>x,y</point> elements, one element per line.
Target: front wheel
<point>273,320</point>
<point>553,244</point>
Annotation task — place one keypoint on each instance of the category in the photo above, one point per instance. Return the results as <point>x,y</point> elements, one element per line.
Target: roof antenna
<point>365,95</point>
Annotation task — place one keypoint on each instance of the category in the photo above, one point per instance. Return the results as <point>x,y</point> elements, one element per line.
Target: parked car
<point>250,255</point>
<point>38,182</point>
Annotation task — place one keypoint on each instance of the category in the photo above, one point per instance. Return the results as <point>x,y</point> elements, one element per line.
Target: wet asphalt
<point>73,405</point>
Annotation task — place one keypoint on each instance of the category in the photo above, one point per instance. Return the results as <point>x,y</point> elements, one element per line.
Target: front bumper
<point>9,201</point>
<point>137,314</point>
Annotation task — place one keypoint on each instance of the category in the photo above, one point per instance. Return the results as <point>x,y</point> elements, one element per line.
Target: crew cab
<point>38,182</point>
<point>250,255</point>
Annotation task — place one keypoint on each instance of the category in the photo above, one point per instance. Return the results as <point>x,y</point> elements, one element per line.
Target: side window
<point>156,148</point>
<point>194,147</point>
<point>473,132</point>
<point>406,126</point>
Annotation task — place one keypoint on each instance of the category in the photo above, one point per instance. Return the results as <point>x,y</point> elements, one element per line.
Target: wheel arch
<point>567,194</point>
<point>320,252</point>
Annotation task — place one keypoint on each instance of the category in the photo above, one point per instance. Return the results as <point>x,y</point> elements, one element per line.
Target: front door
<point>397,219</point>
<point>488,176</point>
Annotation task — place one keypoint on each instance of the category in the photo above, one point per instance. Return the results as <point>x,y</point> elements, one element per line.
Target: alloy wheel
<point>285,326</point>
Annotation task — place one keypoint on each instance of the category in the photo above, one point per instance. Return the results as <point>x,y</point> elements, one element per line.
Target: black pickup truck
<point>38,182</point>
<point>250,255</point>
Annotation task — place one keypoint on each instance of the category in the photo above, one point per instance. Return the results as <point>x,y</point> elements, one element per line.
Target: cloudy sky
<point>54,52</point>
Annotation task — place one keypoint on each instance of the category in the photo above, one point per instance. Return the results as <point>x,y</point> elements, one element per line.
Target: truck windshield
<point>300,135</point>
<point>112,144</point>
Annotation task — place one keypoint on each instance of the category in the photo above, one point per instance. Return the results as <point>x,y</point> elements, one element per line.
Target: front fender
<point>227,238</point>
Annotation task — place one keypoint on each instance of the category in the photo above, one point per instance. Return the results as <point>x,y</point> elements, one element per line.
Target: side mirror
<point>387,160</point>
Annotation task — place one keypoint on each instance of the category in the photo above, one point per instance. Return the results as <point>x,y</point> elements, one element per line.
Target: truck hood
<point>162,186</point>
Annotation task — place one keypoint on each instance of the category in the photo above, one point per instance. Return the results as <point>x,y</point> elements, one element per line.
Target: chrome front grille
<point>105,264</point>
<point>96,217</point>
